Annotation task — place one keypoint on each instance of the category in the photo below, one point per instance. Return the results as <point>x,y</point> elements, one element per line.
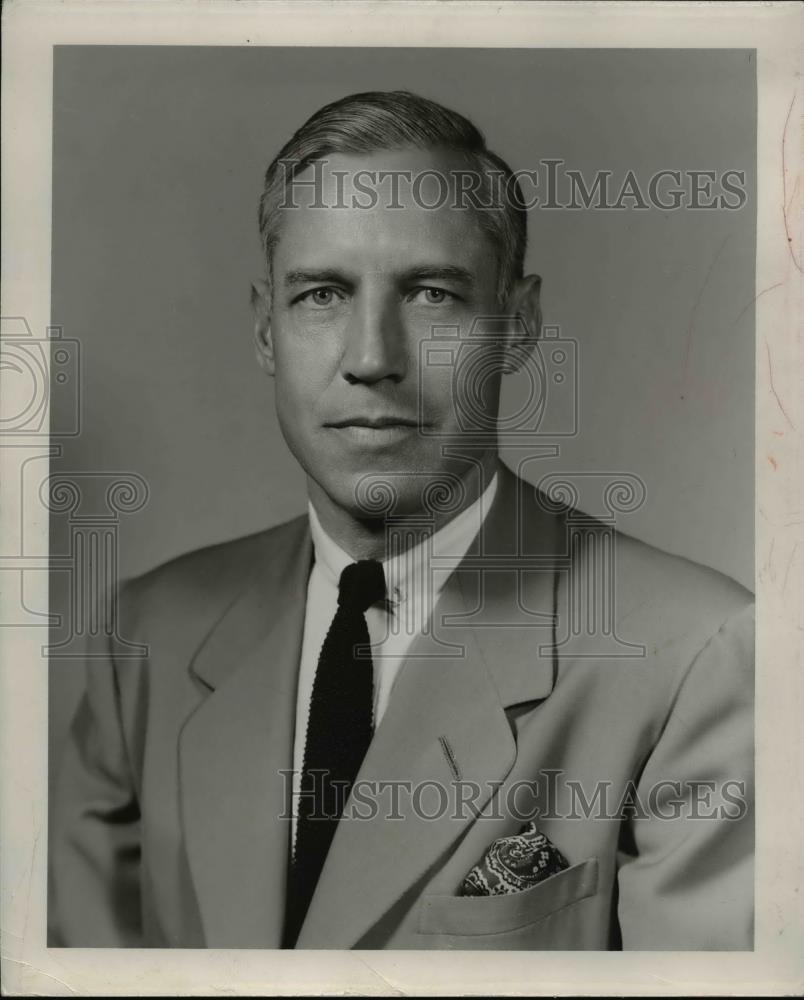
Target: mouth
<point>375,423</point>
<point>375,432</point>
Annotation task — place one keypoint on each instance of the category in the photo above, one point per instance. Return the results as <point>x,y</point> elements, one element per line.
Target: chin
<point>403,494</point>
<point>369,495</point>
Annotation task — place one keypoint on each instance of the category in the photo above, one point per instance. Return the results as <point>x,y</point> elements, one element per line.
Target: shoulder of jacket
<point>210,573</point>
<point>654,595</point>
<point>646,571</point>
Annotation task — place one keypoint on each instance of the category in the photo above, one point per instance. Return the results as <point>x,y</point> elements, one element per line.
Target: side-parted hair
<point>386,120</point>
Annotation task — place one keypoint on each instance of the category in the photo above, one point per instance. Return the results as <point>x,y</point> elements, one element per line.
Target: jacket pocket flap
<point>506,912</point>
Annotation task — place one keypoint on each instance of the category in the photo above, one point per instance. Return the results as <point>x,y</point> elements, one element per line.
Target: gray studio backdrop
<point>158,159</point>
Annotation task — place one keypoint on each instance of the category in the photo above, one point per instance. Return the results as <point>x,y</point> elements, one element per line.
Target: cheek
<point>467,393</point>
<point>435,388</point>
<point>303,368</point>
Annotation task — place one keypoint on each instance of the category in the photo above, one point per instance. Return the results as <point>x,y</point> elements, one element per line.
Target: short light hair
<point>380,120</point>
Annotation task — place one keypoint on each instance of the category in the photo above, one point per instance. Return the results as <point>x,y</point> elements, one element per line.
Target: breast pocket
<point>538,917</point>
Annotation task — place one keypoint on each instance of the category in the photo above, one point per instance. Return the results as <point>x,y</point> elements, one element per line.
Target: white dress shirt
<point>412,592</point>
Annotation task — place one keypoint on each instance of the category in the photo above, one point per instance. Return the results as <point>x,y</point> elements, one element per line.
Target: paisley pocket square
<point>514,863</point>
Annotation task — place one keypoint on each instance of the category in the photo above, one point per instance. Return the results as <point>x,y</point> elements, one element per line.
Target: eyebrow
<point>440,272</point>
<point>312,277</point>
<point>424,272</point>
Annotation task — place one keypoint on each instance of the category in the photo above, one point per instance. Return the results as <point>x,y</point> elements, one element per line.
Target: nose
<point>375,344</point>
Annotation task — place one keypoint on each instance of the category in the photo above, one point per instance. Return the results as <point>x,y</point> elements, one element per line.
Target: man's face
<point>354,294</point>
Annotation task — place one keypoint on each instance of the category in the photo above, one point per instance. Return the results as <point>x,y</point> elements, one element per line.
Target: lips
<point>375,423</point>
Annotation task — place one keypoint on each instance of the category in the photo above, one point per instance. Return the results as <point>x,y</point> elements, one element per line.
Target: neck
<point>366,538</point>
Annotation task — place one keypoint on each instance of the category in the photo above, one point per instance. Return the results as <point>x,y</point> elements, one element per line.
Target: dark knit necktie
<point>339,729</point>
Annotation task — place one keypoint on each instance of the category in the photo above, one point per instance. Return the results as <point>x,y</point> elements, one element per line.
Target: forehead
<point>385,209</point>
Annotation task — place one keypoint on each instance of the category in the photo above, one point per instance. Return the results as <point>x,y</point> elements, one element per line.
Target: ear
<point>524,303</point>
<point>263,341</point>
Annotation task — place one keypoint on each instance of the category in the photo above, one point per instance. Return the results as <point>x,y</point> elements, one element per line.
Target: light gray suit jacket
<point>168,829</point>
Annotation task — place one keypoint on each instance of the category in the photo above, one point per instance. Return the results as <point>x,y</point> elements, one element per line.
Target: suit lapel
<point>234,748</point>
<point>445,731</point>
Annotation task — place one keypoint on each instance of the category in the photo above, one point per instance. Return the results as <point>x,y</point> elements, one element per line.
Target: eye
<point>321,297</point>
<point>434,296</point>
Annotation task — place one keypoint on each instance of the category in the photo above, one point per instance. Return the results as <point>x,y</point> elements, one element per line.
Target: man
<point>396,721</point>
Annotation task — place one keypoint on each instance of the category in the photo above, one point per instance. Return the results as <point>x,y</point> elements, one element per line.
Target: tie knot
<point>361,585</point>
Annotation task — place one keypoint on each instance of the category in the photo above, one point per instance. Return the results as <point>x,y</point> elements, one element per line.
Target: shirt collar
<point>451,541</point>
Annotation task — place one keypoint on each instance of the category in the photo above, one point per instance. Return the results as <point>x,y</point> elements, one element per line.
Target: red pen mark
<point>773,387</point>
<point>759,295</point>
<point>789,564</point>
<point>785,203</point>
